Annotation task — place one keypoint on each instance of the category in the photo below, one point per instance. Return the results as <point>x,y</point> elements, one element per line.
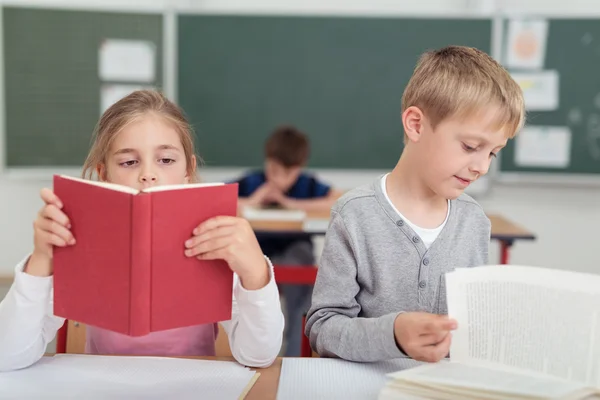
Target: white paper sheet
<point>110,94</point>
<point>127,60</point>
<point>315,225</point>
<point>259,214</point>
<point>540,89</point>
<point>526,43</point>
<point>326,378</point>
<point>543,146</point>
<point>106,377</point>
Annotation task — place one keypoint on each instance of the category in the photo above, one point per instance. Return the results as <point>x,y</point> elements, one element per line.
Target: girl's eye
<point>128,163</point>
<point>166,161</point>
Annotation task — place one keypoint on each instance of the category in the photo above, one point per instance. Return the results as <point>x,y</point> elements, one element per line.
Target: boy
<point>380,291</point>
<point>283,183</point>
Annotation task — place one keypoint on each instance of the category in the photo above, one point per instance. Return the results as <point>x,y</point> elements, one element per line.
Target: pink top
<point>190,341</point>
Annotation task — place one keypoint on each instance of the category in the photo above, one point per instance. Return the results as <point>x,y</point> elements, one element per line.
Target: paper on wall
<point>540,89</point>
<point>543,146</point>
<point>123,60</point>
<point>526,43</point>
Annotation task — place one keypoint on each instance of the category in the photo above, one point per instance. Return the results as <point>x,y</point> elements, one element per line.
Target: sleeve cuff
<point>31,287</point>
<point>259,295</point>
<point>389,339</point>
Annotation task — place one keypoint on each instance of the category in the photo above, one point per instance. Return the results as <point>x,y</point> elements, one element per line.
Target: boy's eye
<point>166,161</point>
<point>468,148</point>
<point>128,163</point>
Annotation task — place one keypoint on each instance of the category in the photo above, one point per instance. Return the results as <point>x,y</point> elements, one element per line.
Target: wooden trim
<point>6,279</point>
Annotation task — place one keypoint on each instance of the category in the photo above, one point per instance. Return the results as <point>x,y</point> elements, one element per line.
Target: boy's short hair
<point>289,146</point>
<point>458,81</point>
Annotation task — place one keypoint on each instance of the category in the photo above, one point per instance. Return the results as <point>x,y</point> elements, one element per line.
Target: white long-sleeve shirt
<point>27,322</point>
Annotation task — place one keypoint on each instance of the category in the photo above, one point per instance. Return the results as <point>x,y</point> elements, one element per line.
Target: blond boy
<point>380,290</point>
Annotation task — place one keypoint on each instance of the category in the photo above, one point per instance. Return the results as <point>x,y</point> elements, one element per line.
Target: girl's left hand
<point>231,239</point>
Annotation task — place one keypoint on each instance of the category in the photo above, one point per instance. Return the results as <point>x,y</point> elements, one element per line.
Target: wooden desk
<point>503,230</point>
<point>266,386</point>
<point>507,232</point>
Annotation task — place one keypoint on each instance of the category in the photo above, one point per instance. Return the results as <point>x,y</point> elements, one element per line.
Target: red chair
<point>298,275</point>
<point>61,338</point>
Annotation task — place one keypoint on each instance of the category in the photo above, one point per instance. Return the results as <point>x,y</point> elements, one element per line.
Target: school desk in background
<point>267,222</point>
<point>127,271</point>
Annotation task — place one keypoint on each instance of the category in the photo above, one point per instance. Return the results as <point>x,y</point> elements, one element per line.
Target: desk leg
<point>505,246</point>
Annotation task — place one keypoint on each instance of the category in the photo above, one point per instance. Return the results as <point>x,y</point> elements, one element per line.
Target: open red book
<point>127,271</point>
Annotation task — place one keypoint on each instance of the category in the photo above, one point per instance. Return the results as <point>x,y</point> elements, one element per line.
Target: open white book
<point>523,333</point>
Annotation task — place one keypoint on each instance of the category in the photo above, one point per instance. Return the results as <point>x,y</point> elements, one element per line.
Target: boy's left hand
<point>231,239</point>
<point>278,197</point>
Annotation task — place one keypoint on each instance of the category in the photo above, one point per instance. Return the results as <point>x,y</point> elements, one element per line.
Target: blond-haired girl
<point>144,140</point>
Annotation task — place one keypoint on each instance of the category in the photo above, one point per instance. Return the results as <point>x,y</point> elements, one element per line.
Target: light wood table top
<point>502,228</point>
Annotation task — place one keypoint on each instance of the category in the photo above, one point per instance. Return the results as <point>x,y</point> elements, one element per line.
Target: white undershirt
<point>428,236</point>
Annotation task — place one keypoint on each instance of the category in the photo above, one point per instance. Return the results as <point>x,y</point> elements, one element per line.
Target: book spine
<point>141,265</point>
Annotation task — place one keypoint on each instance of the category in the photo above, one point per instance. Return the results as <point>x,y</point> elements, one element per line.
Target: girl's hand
<point>231,239</point>
<point>50,228</point>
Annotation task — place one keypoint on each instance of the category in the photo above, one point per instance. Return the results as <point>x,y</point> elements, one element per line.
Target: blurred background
<point>335,69</point>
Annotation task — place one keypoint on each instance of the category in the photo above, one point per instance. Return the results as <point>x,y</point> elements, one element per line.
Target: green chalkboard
<point>573,49</point>
<point>52,86</point>
<point>338,79</point>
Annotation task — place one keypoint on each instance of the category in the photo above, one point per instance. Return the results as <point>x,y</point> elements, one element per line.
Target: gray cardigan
<point>374,266</point>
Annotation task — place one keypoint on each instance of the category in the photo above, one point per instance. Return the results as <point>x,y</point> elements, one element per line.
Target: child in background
<point>283,183</point>
<point>380,291</point>
<point>144,140</point>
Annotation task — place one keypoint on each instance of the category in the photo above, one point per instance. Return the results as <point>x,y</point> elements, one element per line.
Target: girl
<point>144,140</point>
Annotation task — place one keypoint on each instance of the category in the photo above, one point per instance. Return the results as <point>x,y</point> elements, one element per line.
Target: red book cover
<point>127,271</point>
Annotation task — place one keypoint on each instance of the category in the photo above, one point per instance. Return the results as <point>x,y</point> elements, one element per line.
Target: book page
<point>106,185</point>
<point>529,318</point>
<point>163,188</point>
<point>330,378</point>
<point>454,377</point>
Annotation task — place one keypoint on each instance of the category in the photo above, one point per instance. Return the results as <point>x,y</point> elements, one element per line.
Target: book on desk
<point>523,333</point>
<point>127,271</point>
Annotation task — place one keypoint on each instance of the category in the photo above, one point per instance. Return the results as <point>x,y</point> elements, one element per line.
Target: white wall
<point>565,219</point>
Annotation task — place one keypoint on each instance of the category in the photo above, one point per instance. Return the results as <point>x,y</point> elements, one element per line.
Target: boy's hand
<point>233,240</point>
<point>424,336</point>
<point>51,228</point>
<point>262,195</point>
<point>275,196</point>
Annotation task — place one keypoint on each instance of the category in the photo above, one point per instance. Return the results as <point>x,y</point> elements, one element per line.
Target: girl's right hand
<point>51,228</point>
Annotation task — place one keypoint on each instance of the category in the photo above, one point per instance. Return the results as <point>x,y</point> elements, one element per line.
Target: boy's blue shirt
<point>306,187</point>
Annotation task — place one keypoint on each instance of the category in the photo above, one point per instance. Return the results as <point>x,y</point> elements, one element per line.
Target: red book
<point>127,271</point>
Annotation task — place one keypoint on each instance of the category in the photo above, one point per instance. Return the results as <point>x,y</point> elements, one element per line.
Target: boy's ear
<point>101,171</point>
<point>413,120</point>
